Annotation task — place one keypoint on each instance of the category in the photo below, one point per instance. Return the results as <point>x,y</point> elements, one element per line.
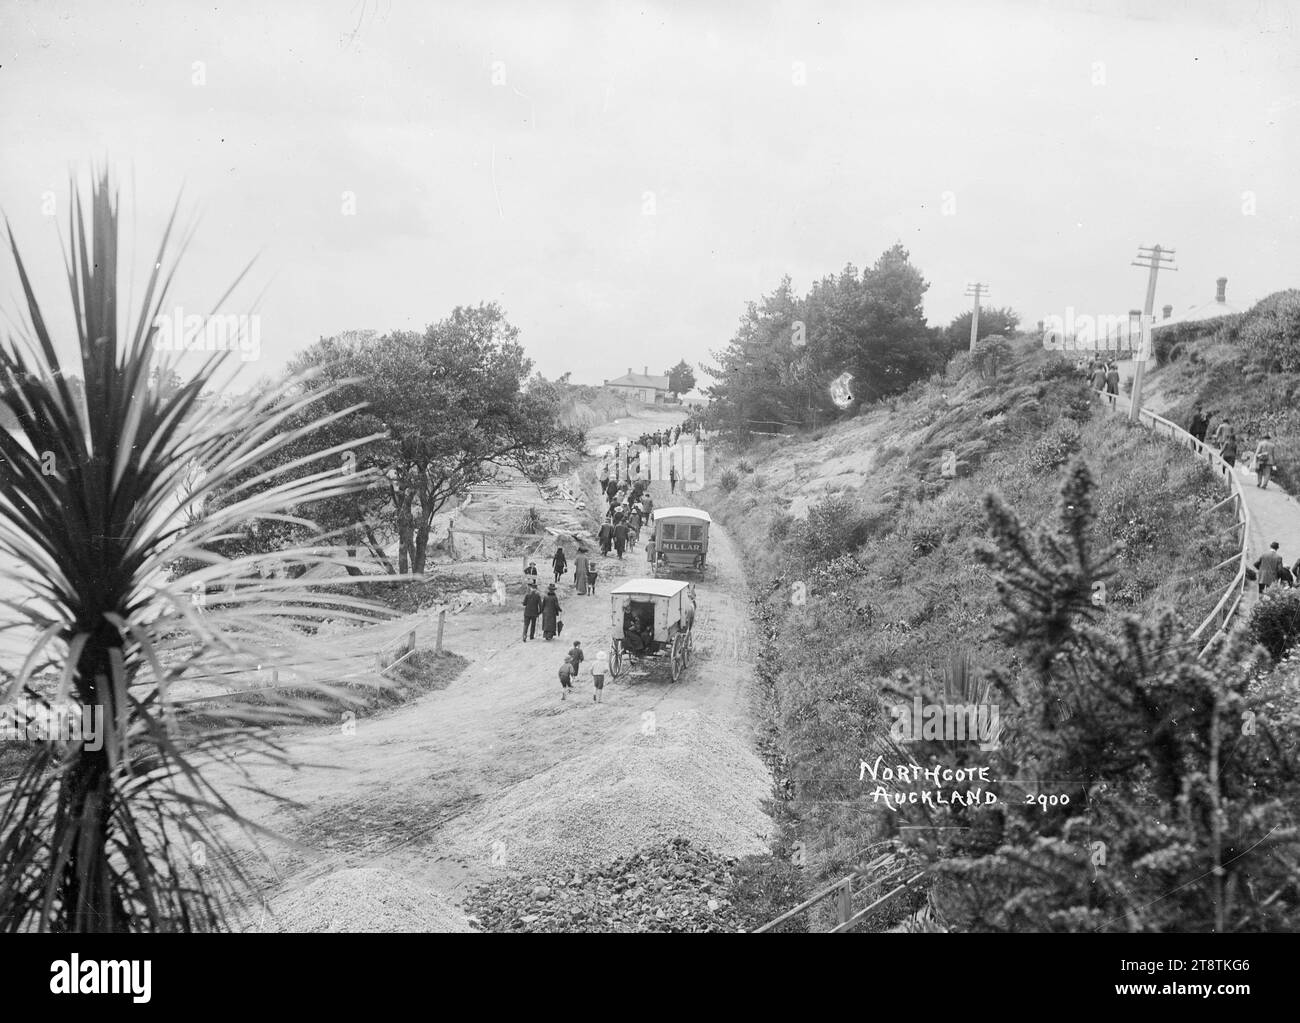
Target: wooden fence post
<point>483,536</point>
<point>442,618</point>
<point>845,908</point>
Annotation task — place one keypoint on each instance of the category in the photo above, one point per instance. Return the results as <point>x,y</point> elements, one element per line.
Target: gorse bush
<point>779,528</point>
<point>1054,450</point>
<point>1275,622</point>
<point>729,480</point>
<point>1181,773</point>
<point>835,526</point>
<point>1271,332</point>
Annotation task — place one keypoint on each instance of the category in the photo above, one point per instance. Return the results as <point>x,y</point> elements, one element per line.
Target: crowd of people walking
<point>1224,437</point>
<point>628,508</point>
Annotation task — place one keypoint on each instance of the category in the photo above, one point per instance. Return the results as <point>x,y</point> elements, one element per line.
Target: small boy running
<point>576,656</point>
<point>566,678</point>
<point>599,669</point>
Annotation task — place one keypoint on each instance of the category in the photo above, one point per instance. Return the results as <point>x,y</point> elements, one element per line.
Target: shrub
<point>1130,517</point>
<point>744,466</point>
<point>1275,623</point>
<point>729,480</point>
<point>1054,450</point>
<point>779,528</point>
<point>1057,369</point>
<point>887,454</point>
<point>835,526</point>
<point>1271,332</point>
<point>991,353</point>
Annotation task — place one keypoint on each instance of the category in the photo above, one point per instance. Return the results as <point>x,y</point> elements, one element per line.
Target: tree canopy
<point>681,378</point>
<point>778,367</point>
<point>442,411</point>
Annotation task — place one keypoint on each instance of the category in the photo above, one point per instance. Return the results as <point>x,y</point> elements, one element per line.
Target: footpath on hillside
<point>1274,515</point>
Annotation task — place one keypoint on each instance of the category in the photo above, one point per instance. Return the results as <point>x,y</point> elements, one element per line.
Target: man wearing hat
<point>532,608</point>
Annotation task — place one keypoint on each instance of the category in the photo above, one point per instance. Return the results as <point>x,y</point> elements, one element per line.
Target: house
<point>1205,311</point>
<point>641,387</point>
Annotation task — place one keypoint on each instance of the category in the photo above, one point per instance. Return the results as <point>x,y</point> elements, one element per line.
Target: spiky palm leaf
<point>99,840</point>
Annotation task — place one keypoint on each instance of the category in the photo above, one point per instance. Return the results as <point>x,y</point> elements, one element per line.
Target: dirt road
<point>496,773</point>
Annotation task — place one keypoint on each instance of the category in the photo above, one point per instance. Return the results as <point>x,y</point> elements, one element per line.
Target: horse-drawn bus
<point>681,539</point>
<point>652,617</point>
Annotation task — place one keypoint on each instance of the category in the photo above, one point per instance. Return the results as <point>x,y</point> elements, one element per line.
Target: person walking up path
<point>532,608</point>
<point>550,612</point>
<point>620,539</point>
<point>580,568</point>
<point>560,563</point>
<point>1263,461</point>
<point>1269,566</point>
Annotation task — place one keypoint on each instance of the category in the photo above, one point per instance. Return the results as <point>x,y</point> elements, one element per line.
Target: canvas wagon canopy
<point>649,587</point>
<point>682,513</point>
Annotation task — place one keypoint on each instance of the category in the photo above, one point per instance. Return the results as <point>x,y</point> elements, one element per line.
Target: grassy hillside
<point>864,517</point>
<point>1244,367</point>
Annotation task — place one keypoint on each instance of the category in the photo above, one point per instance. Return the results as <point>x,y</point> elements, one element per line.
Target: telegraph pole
<point>975,291</point>
<point>1153,259</point>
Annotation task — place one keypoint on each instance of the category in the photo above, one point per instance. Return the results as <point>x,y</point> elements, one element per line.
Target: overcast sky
<point>623,177</point>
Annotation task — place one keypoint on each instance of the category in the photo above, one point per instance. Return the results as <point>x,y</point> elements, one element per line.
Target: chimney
<point>1221,289</point>
<point>629,371</point>
<point>1168,311</point>
<point>646,372</point>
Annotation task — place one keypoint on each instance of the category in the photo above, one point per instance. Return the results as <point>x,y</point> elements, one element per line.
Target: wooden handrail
<point>1236,589</point>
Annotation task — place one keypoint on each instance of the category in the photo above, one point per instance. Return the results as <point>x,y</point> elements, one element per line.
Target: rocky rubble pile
<point>673,887</point>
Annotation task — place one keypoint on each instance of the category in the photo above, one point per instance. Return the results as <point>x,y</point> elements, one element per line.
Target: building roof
<point>1207,311</point>
<point>681,513</point>
<point>650,587</point>
<point>640,380</point>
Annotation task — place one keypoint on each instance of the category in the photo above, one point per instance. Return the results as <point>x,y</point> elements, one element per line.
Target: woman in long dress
<point>550,612</point>
<point>580,571</point>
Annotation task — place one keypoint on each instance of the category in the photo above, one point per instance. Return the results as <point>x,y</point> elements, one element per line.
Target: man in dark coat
<point>1112,379</point>
<point>1269,566</point>
<point>550,612</point>
<point>620,538</point>
<point>532,608</point>
<point>606,536</point>
<point>560,563</point>
<point>1199,424</point>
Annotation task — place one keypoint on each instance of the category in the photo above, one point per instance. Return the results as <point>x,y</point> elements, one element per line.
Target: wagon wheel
<point>687,646</point>
<point>616,663</point>
<point>678,658</point>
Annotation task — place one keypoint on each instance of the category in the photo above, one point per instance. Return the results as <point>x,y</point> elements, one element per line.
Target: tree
<point>101,839</point>
<point>454,409</point>
<point>778,367</point>
<point>991,353</point>
<point>1003,321</point>
<point>681,378</point>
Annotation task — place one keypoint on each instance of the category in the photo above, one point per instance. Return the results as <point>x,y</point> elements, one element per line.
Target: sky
<point>622,178</point>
